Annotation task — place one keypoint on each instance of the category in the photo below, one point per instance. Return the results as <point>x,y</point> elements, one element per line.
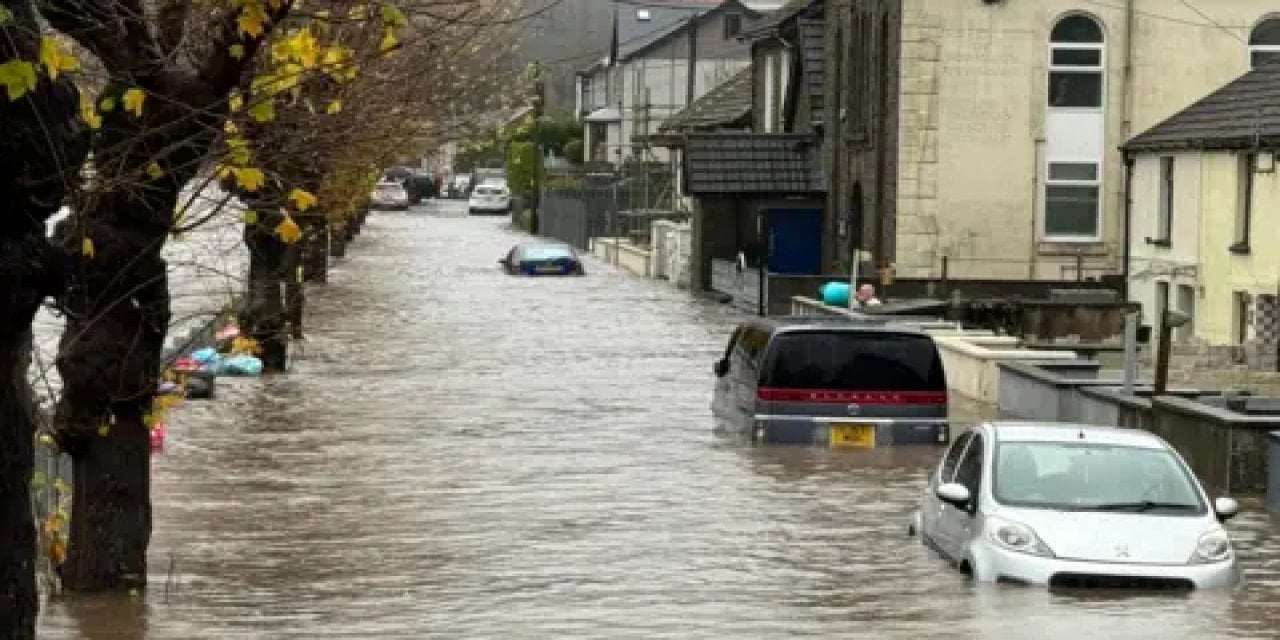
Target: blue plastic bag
<point>835,294</point>
<point>241,365</point>
<point>206,355</point>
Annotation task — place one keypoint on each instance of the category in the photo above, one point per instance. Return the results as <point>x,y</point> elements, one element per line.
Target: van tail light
<point>830,396</point>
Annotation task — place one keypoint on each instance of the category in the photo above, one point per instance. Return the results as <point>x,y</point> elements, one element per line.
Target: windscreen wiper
<point>1142,506</point>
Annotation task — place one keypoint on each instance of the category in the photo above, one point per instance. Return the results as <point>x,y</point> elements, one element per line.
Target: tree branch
<point>222,71</point>
<point>115,32</point>
<point>171,20</point>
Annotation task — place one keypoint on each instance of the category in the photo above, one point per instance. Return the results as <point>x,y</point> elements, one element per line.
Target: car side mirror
<point>1226,508</point>
<point>721,368</point>
<point>954,494</point>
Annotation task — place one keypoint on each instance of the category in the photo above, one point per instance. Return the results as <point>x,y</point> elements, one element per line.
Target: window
<point>855,361</point>
<point>599,134</point>
<point>949,463</point>
<point>1240,302</point>
<point>1076,64</point>
<point>1072,199</point>
<point>1244,201</point>
<point>643,15</point>
<point>1187,305</point>
<point>969,473</point>
<point>1264,43</point>
<point>732,25</point>
<point>1089,476</point>
<point>1164,224</point>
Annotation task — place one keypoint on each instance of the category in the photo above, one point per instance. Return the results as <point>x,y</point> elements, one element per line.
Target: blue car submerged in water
<point>542,259</point>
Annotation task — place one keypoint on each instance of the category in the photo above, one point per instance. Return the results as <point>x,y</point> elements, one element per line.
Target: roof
<point>813,47</point>
<point>667,17</point>
<point>728,164</point>
<point>727,104</point>
<point>1068,432</point>
<point>1243,114</point>
<point>789,11</point>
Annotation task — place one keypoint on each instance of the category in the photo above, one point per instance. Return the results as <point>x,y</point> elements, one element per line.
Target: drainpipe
<point>1128,223</point>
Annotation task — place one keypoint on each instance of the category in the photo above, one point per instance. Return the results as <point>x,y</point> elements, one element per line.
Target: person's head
<point>866,292</point>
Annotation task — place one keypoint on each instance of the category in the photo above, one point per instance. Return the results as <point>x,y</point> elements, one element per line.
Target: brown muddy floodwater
<point>460,454</point>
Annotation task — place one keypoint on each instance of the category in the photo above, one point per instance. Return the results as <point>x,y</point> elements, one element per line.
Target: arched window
<point>1076,64</point>
<point>1264,43</point>
<point>1076,128</point>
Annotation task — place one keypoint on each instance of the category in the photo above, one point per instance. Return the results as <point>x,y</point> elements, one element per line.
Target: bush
<point>573,151</point>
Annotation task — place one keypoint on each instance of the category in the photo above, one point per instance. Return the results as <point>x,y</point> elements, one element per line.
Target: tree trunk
<point>338,240</point>
<point>109,361</point>
<point>295,294</point>
<point>41,151</point>
<point>315,259</point>
<point>263,314</point>
<point>19,600</point>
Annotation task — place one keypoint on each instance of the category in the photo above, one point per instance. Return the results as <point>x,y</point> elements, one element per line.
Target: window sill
<point>1240,249</point>
<point>1163,243</point>
<point>1071,248</point>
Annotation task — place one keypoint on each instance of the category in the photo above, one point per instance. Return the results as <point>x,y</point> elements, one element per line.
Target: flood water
<point>460,454</point>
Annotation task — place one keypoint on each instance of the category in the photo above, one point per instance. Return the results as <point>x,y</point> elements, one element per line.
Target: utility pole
<point>539,101</point>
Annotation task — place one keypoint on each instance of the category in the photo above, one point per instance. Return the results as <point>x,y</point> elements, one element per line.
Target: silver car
<point>1075,506</point>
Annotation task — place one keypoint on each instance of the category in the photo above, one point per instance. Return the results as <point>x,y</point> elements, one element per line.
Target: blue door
<point>794,238</point>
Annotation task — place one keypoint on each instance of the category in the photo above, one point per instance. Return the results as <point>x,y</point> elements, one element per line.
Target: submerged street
<point>463,454</point>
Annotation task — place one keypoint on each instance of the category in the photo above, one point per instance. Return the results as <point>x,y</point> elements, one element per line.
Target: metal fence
<point>580,204</point>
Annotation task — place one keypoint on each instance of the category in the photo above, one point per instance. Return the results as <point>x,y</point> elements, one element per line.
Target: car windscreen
<point>1085,476</point>
<point>543,252</point>
<point>389,189</point>
<point>853,361</point>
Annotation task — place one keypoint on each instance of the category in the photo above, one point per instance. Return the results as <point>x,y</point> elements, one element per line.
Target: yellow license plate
<point>548,269</point>
<point>858,436</point>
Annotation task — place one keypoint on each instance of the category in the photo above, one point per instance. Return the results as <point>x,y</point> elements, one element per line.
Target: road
<point>461,454</point>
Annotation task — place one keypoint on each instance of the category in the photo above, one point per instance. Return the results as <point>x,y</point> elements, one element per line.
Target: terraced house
<point>981,138</point>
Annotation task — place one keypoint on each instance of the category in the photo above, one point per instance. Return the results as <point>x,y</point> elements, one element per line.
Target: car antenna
<point>1080,433</point>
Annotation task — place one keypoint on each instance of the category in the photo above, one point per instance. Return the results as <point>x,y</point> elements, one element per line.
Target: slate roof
<point>732,164</point>
<point>727,104</point>
<point>1243,114</point>
<point>813,45</point>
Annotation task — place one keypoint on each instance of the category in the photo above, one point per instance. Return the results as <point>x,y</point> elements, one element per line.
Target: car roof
<point>544,245</point>
<point>787,324</point>
<point>1071,432</point>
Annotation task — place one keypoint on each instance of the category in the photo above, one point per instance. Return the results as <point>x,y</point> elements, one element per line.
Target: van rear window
<point>855,361</point>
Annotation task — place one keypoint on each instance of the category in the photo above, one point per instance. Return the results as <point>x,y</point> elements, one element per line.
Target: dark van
<point>836,382</point>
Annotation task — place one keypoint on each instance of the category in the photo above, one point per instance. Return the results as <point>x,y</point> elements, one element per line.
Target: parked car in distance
<point>831,382</point>
<point>489,198</point>
<point>1075,506</point>
<point>542,259</point>
<point>389,194</point>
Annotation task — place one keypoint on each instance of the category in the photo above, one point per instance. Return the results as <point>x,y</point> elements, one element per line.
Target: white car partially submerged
<point>1075,506</point>
<point>490,197</point>
<point>389,194</point>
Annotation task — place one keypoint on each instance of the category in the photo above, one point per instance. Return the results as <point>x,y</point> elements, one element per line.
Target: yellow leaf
<point>133,99</point>
<point>225,172</point>
<point>251,217</point>
<point>154,170</point>
<point>289,231</point>
<point>303,200</point>
<point>230,128</point>
<point>393,17</point>
<point>89,114</point>
<point>236,51</point>
<point>6,16</point>
<point>104,431</point>
<point>107,104</point>
<point>263,111</point>
<point>389,41</point>
<point>250,179</point>
<point>236,101</point>
<point>334,107</point>
<point>56,58</point>
<point>18,77</point>
<point>86,247</point>
<point>251,19</point>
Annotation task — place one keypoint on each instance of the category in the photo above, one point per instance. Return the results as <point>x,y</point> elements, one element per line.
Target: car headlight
<point>1016,537</point>
<point>1213,546</point>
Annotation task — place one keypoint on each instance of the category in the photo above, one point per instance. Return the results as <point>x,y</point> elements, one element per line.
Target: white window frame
<point>1099,69</point>
<point>769,70</point>
<point>1261,48</point>
<point>1097,214</point>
